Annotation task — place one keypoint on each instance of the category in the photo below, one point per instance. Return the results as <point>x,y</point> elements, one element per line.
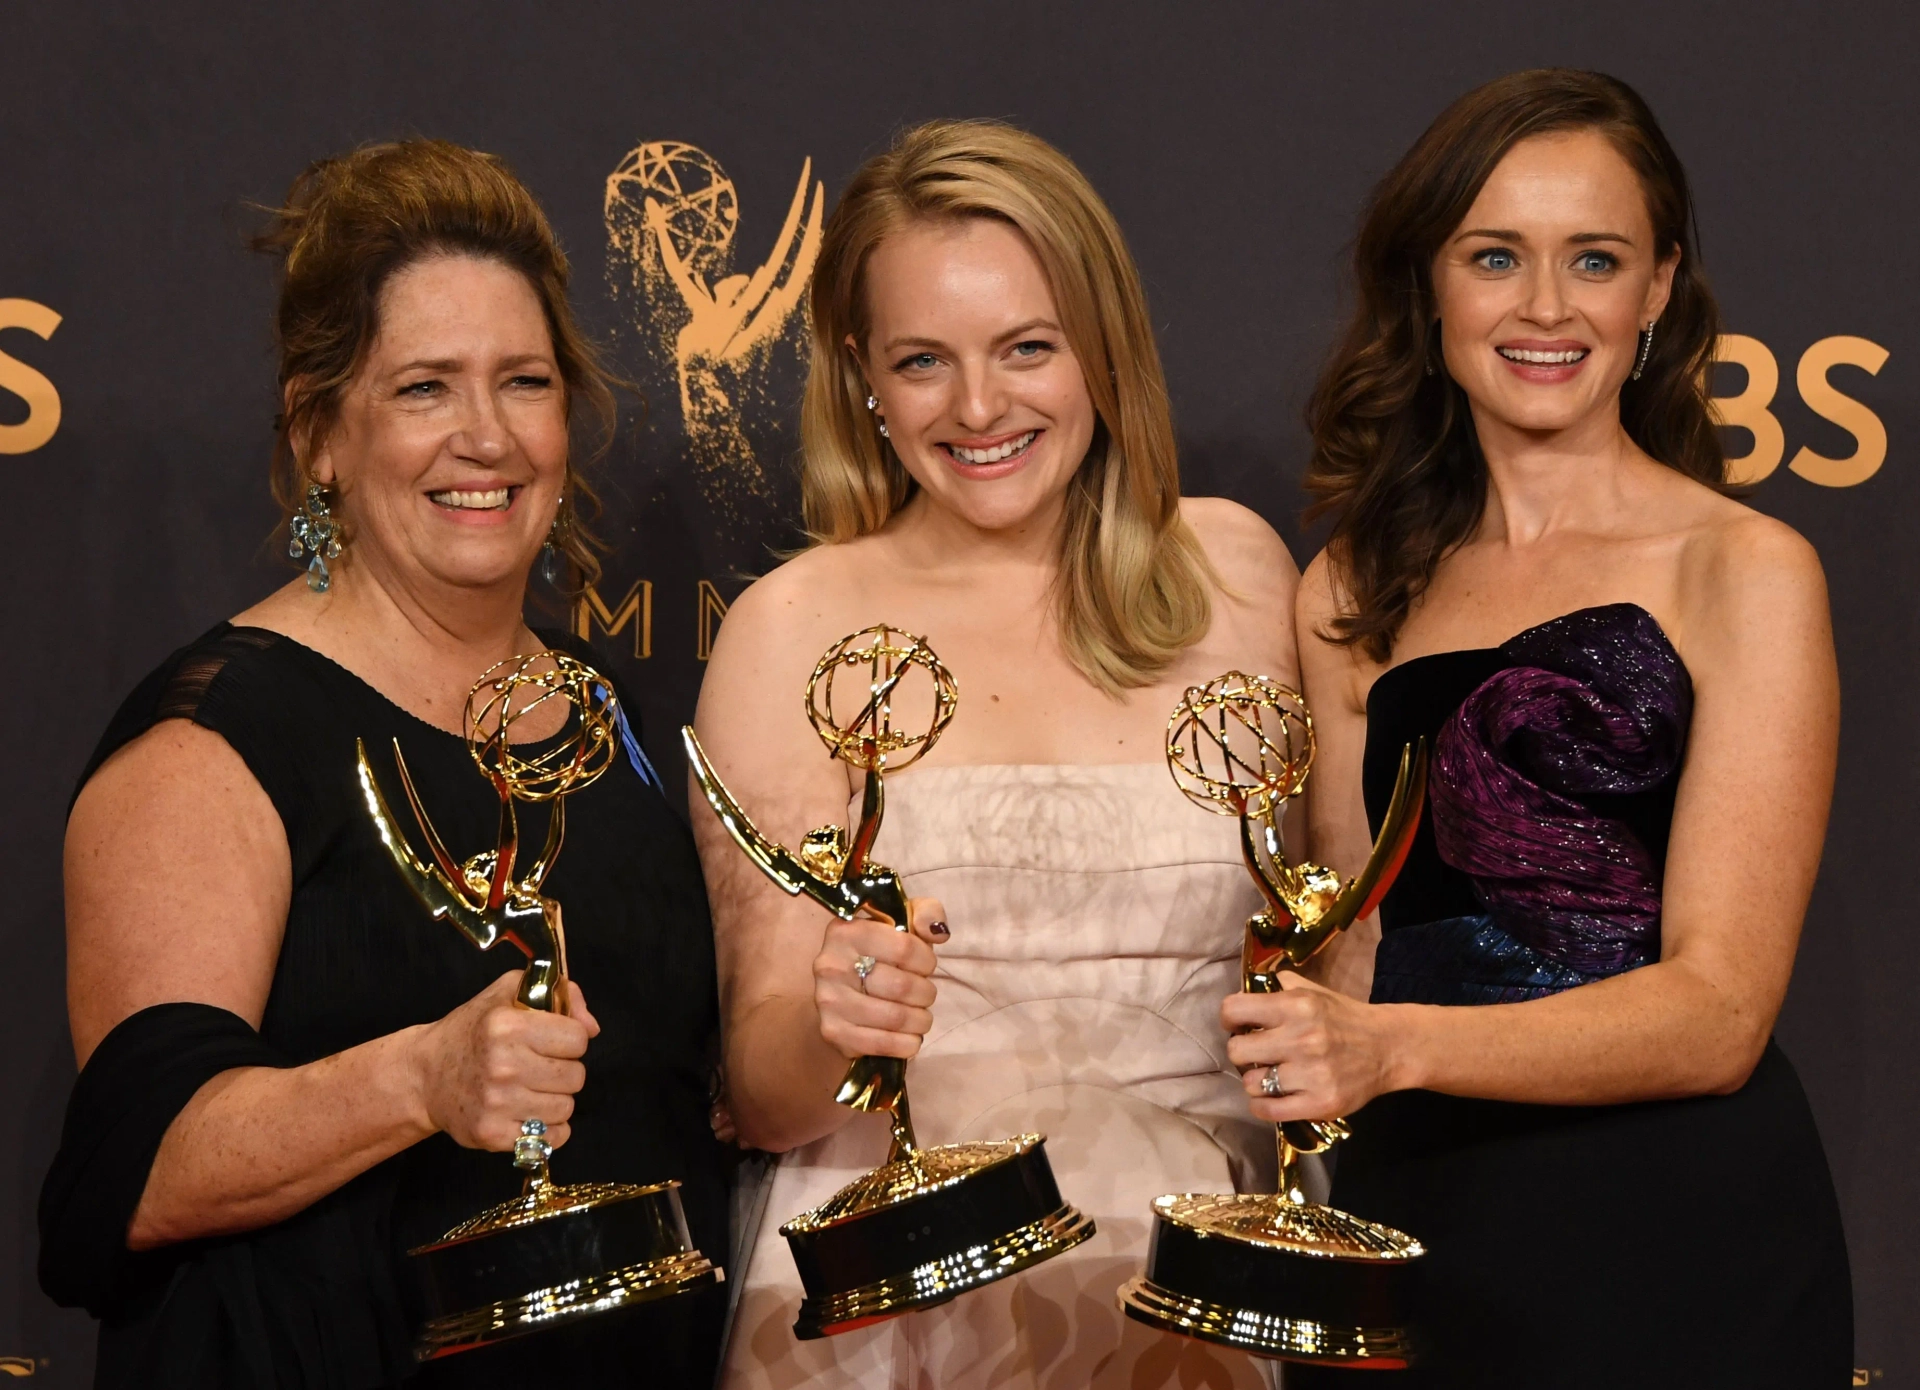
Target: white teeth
<point>994,455</point>
<point>492,500</point>
<point>1542,359</point>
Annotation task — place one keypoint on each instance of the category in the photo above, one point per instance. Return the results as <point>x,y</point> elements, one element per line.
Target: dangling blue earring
<point>552,567</point>
<point>313,530</point>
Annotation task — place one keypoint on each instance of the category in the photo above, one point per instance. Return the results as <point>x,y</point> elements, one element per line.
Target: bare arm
<point>1748,828</point>
<point>1336,830</point>
<point>792,1010</point>
<point>177,886</point>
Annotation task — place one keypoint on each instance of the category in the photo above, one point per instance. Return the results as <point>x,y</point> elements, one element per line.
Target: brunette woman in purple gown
<point>1564,1082</point>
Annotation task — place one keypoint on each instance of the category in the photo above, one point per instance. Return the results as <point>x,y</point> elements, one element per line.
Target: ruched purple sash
<point>1597,703</point>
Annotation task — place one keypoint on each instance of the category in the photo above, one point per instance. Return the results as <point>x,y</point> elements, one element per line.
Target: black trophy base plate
<point>1292,1280</point>
<point>555,1256</point>
<point>926,1228</point>
<point>1264,1334</point>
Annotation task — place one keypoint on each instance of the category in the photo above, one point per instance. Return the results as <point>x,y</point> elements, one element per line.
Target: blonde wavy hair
<point>1134,585</point>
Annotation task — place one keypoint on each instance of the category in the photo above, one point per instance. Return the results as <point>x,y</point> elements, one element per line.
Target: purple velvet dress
<point>1672,1243</point>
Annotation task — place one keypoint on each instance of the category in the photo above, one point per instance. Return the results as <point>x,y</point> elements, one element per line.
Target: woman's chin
<point>1003,504</point>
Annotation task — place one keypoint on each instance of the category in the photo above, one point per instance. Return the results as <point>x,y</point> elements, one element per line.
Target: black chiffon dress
<point>323,1299</point>
<point>1674,1243</point>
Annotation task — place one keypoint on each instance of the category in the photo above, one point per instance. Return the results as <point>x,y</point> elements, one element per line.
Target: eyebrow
<point>454,364</point>
<point>893,345</point>
<point>1578,238</point>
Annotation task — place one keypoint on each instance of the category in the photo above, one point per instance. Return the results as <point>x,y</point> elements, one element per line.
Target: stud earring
<point>873,404</point>
<point>1646,347</point>
<point>313,530</point>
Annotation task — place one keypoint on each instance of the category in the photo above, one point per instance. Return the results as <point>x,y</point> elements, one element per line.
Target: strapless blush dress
<point>1097,921</point>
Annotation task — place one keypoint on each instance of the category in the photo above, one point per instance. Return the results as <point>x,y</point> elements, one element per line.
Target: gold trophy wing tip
<point>441,897</point>
<point>1397,829</point>
<point>772,858</point>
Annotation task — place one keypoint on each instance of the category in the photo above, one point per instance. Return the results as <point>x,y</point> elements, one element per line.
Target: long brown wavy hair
<point>348,225</point>
<point>1395,456</point>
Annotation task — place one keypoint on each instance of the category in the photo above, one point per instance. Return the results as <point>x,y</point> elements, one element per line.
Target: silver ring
<point>863,967</point>
<point>1270,1083</point>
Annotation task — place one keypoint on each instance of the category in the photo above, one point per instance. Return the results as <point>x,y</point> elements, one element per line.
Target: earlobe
<point>1660,292</point>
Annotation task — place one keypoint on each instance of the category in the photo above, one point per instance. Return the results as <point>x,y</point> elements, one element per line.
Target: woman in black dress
<point>290,1073</point>
<point>1564,1083</point>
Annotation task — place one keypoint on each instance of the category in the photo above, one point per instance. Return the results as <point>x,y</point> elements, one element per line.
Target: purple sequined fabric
<point>1596,703</point>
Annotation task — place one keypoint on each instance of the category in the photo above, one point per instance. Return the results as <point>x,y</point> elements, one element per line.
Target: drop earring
<point>880,420</point>
<point>1646,347</point>
<point>551,564</point>
<point>312,530</point>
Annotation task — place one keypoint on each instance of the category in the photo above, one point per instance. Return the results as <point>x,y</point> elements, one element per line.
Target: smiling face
<point>981,393</point>
<point>1545,287</point>
<point>450,448</point>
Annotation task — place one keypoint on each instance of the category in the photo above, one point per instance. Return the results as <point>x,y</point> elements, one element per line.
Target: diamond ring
<point>863,967</point>
<point>1270,1083</point>
<point>531,1150</point>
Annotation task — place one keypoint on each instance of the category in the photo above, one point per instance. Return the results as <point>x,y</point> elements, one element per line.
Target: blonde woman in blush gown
<point>989,462</point>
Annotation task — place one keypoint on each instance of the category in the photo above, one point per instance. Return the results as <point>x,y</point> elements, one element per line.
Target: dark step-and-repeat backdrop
<point>1235,143</point>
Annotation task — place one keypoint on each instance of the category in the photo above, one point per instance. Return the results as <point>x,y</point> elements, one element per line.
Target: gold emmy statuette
<point>1275,1273</point>
<point>554,1254</point>
<point>929,1223</point>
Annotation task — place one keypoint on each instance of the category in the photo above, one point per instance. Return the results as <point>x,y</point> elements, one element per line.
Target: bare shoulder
<point>779,619</point>
<point>1320,600</point>
<point>1750,583</point>
<point>1332,670</point>
<point>1246,551</point>
<point>177,881</point>
<point>174,758</point>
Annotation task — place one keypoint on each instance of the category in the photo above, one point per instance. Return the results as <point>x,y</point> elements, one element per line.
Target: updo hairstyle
<point>347,226</point>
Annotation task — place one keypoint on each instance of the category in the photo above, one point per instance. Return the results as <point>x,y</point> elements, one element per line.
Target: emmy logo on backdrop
<point>930,1223</point>
<point>554,1254</point>
<point>1275,1273</point>
<point>671,215</point>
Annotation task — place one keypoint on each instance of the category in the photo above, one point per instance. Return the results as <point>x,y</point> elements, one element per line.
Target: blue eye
<point>1033,347</point>
<point>919,362</point>
<point>1595,262</point>
<point>1498,259</point>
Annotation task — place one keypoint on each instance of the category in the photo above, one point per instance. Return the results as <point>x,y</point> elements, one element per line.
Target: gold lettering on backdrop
<point>1748,410</point>
<point>1751,409</point>
<point>713,610</point>
<point>43,401</point>
<point>635,607</point>
<point>671,213</point>
<point>1823,399</point>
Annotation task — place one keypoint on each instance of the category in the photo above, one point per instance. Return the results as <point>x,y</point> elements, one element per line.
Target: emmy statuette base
<point>1290,1339</point>
<point>552,1256</point>
<point>1279,1278</point>
<point>927,1227</point>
